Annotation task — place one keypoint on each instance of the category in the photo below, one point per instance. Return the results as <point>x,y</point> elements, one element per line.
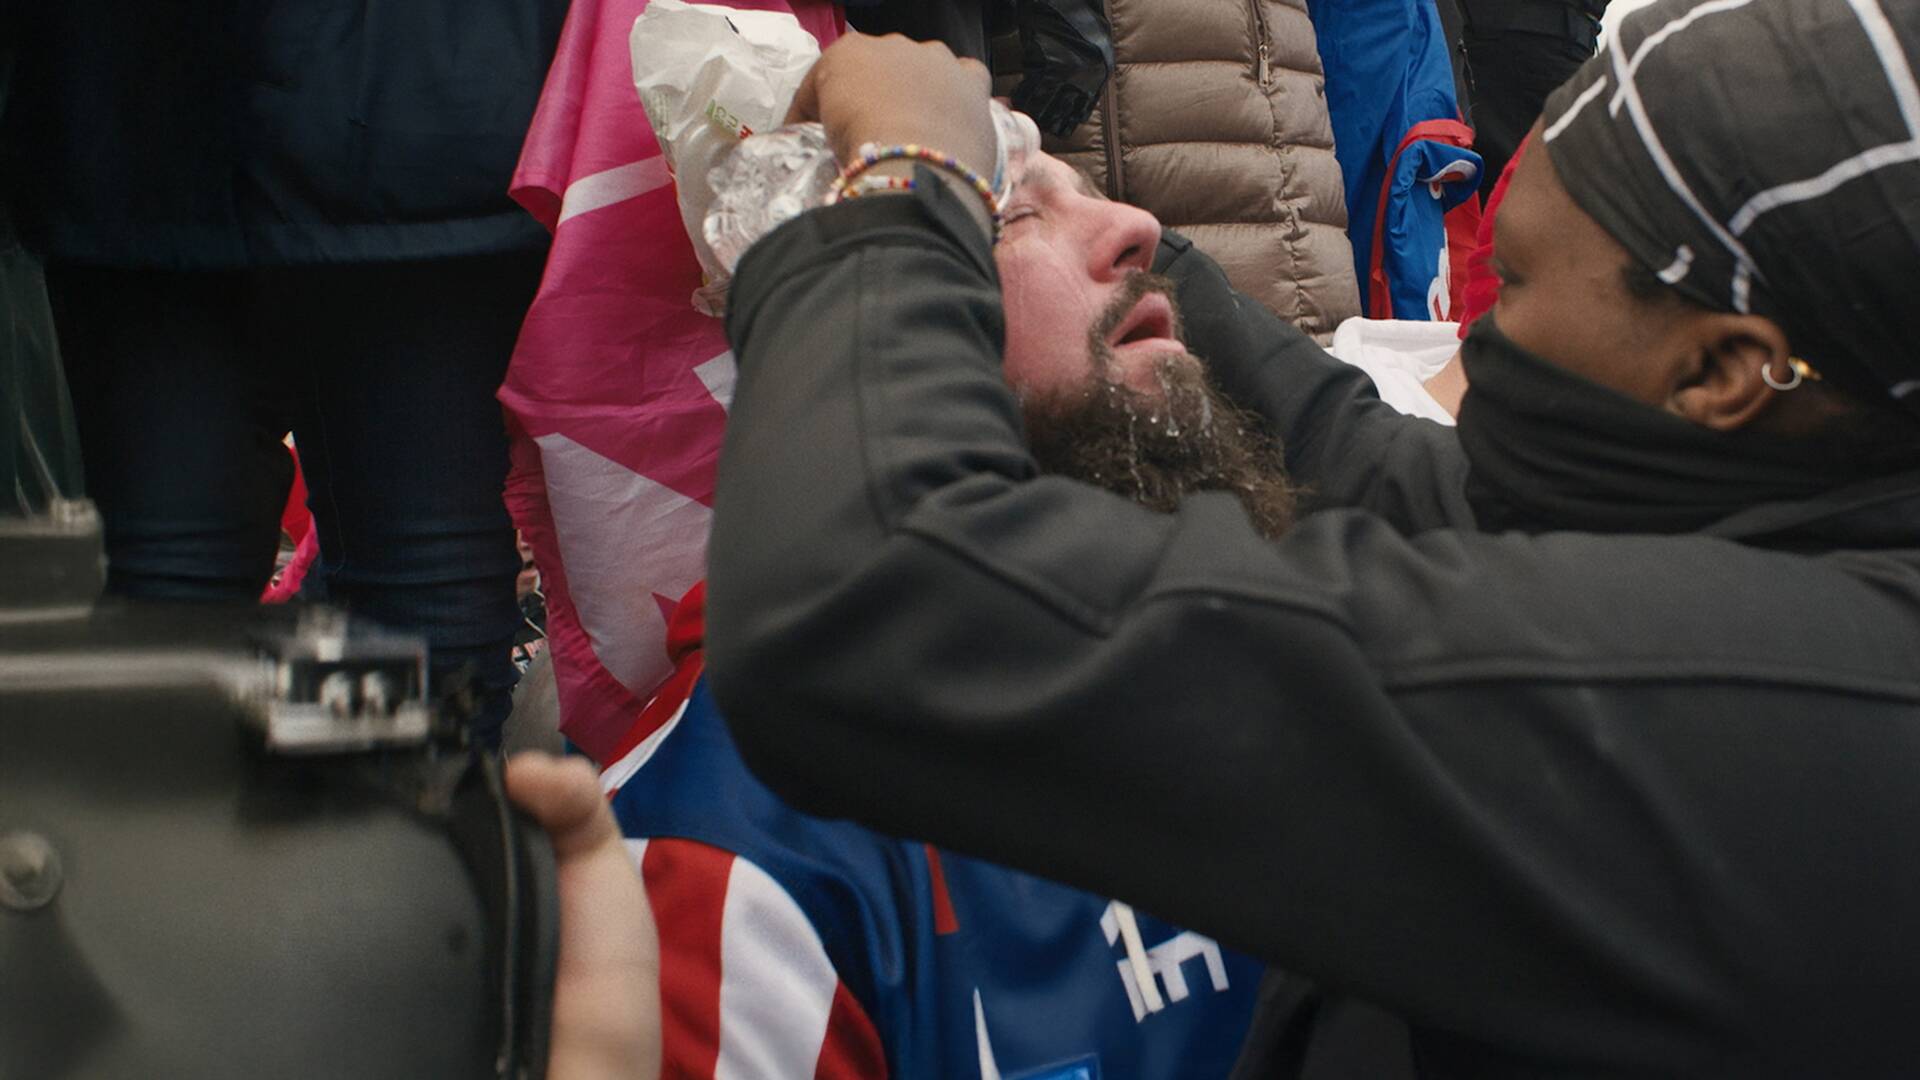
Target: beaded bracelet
<point>914,151</point>
<point>866,184</point>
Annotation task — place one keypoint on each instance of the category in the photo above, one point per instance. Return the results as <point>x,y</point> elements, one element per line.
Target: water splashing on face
<point>1157,448</point>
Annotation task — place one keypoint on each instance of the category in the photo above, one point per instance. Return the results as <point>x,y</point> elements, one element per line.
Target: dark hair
<point>1876,435</point>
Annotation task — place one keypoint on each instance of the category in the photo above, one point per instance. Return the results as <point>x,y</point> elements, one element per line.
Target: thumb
<point>563,795</point>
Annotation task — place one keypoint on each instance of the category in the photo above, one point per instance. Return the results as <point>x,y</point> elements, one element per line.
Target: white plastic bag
<point>709,76</point>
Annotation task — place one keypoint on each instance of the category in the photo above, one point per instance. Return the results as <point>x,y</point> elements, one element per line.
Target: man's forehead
<point>1044,172</point>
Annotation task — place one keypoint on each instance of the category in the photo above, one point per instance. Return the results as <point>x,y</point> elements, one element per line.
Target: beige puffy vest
<point>1216,121</point>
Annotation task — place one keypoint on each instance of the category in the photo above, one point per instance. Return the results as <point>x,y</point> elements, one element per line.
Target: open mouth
<point>1150,321</point>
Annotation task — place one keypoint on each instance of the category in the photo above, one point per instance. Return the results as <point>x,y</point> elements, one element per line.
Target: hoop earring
<point>1766,376</point>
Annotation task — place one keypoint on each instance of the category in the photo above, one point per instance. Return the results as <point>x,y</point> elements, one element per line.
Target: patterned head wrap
<point>1764,156</point>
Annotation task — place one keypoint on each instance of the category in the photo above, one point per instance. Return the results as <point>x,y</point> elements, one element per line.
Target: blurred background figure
<point>39,449</point>
<point>271,218</point>
<point>1065,47</point>
<point>1517,52</point>
<point>1406,152</point>
<point>1216,121</point>
<point>965,26</point>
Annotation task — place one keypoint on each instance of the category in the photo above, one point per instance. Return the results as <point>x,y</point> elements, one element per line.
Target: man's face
<point>1564,298</point>
<point>1110,394</point>
<point>1078,307</point>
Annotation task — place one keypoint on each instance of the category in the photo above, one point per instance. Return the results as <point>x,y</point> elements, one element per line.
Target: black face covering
<point>1551,450</point>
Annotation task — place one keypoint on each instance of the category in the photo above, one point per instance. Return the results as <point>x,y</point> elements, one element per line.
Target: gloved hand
<point>1067,52</point>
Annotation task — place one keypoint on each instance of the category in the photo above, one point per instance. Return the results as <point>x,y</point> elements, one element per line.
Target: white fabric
<point>602,512</point>
<point>611,187</point>
<point>989,1068</point>
<point>1400,355</point>
<point>776,983</point>
<point>718,376</point>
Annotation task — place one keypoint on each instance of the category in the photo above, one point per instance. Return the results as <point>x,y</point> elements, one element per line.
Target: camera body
<point>244,843</point>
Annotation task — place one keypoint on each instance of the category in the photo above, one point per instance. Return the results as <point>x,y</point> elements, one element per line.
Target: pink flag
<point>618,388</point>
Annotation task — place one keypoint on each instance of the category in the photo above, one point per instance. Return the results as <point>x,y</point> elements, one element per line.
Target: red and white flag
<point>618,389</point>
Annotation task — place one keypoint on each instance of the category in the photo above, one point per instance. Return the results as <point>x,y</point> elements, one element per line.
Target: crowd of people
<point>1092,675</point>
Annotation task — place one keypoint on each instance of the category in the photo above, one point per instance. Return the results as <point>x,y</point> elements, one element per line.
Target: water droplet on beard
<point>1160,371</point>
<point>1133,446</point>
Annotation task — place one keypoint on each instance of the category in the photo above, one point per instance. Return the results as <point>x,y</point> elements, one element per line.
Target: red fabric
<point>687,885</point>
<point>687,627</point>
<point>945,921</point>
<point>1463,228</point>
<point>1483,286</point>
<point>285,589</point>
<point>852,1048</point>
<point>1379,294</point>
<point>296,520</point>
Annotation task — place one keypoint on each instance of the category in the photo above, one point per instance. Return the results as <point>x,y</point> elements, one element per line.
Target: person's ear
<point>1726,387</point>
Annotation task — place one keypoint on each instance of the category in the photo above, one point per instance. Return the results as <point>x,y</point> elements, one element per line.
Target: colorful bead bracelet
<point>850,189</point>
<point>853,182</point>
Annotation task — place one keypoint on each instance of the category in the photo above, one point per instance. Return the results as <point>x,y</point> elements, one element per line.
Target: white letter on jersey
<point>1162,964</point>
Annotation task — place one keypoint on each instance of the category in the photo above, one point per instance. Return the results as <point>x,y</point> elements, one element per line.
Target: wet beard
<point>1157,454</point>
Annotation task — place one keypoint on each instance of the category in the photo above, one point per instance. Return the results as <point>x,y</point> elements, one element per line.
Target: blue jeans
<point>184,384</point>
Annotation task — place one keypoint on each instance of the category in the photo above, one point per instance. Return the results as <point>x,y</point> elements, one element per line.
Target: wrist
<point>887,170</point>
<point>969,198</point>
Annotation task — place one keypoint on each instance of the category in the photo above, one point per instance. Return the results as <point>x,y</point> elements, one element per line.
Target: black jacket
<point>1570,804</point>
<point>185,134</point>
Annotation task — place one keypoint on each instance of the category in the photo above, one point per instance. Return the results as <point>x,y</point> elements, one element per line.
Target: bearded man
<point>1582,741</point>
<point>793,946</point>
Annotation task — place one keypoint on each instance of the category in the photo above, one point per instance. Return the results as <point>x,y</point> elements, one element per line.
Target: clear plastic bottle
<point>771,178</point>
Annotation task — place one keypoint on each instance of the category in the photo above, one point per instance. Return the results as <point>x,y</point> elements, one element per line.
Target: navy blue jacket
<point>195,135</point>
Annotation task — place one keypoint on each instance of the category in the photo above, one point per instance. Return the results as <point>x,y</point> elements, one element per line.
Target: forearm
<point>1343,444</point>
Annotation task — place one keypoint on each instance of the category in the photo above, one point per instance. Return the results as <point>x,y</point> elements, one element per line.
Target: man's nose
<point>1126,242</point>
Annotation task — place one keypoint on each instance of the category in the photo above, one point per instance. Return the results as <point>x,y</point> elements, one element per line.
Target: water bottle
<point>771,178</point>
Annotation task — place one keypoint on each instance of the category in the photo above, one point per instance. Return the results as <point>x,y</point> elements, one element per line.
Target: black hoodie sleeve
<point>1343,445</point>
<point>1483,781</point>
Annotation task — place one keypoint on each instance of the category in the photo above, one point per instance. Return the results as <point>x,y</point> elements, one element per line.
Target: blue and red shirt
<point>795,946</point>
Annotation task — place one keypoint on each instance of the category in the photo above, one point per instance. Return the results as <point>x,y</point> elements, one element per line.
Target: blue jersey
<point>918,963</point>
